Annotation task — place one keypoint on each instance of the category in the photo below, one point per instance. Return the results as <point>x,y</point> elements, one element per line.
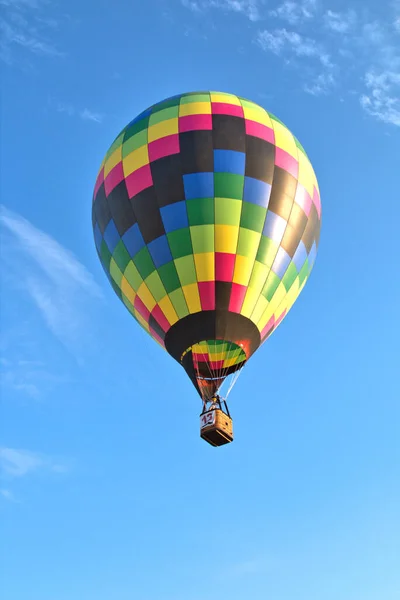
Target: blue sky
<point>106,489</point>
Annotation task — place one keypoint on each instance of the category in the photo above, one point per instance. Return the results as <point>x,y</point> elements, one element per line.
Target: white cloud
<point>249,8</point>
<point>295,12</point>
<point>340,22</point>
<point>322,84</point>
<point>282,40</point>
<point>89,115</point>
<point>86,114</point>
<point>382,99</point>
<point>19,463</point>
<point>23,25</point>
<point>59,285</point>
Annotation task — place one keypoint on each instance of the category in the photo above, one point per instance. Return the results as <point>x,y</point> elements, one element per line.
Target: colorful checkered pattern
<point>206,203</point>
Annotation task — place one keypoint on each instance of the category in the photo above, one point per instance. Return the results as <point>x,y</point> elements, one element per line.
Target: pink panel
<point>317,201</point>
<point>139,180</point>
<point>286,161</point>
<point>164,147</point>
<point>224,266</point>
<point>303,199</point>
<point>221,108</point>
<point>268,327</point>
<point>194,122</point>
<point>142,310</point>
<point>155,335</point>
<point>161,319</point>
<point>217,365</point>
<point>99,181</point>
<point>260,131</point>
<point>115,176</point>
<point>237,296</point>
<point>207,294</point>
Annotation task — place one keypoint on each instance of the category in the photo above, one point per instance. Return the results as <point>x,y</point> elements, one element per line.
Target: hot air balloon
<point>206,218</point>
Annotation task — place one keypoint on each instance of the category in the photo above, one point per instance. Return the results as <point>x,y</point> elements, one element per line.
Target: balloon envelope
<point>206,217</point>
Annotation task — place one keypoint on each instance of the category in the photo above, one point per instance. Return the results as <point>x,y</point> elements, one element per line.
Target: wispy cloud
<point>61,288</point>
<point>249,8</point>
<point>7,495</point>
<point>25,25</point>
<point>85,114</point>
<point>16,462</point>
<point>340,22</point>
<point>295,12</point>
<point>383,97</point>
<point>282,41</point>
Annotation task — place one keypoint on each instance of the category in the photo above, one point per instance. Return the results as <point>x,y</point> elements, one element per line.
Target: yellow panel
<point>115,271</point>
<point>258,115</point>
<point>112,161</point>
<point>205,266</point>
<point>248,243</point>
<point>216,357</point>
<point>136,159</point>
<point>141,320</point>
<point>259,276</point>
<point>278,296</point>
<point>226,238</point>
<point>166,306</point>
<point>226,99</point>
<point>249,302</point>
<point>160,130</point>
<point>146,297</point>
<point>195,108</point>
<point>192,296</point>
<point>285,140</point>
<point>243,268</point>
<point>259,309</point>
<point>306,174</point>
<point>229,362</point>
<point>127,289</point>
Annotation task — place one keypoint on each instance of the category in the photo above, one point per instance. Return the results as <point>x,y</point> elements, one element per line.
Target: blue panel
<point>160,251</point>
<point>133,240</point>
<point>174,216</point>
<point>281,263</point>
<point>274,227</point>
<point>312,256</point>
<point>300,256</point>
<point>256,191</point>
<point>229,161</point>
<point>111,236</point>
<point>198,185</point>
<point>98,238</point>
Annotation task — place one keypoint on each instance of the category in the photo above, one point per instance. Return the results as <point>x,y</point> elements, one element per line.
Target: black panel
<point>101,209</point>
<point>212,325</point>
<point>260,159</point>
<point>291,239</point>
<point>197,153</point>
<point>311,233</point>
<point>187,364</point>
<point>229,133</point>
<point>121,208</point>
<point>148,214</point>
<point>223,291</point>
<point>283,183</point>
<point>156,327</point>
<point>167,178</point>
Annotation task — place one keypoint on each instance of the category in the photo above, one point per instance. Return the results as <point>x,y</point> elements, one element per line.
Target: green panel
<point>105,255</point>
<point>116,289</point>
<point>200,211</point>
<point>121,255</point>
<point>133,276</point>
<point>270,286</point>
<point>127,302</point>
<point>203,237</point>
<point>195,98</point>
<point>179,303</point>
<point>166,104</point>
<point>186,270</point>
<point>289,276</point>
<point>228,185</point>
<point>156,286</point>
<point>136,127</point>
<point>144,262</point>
<point>258,276</point>
<point>274,118</point>
<point>115,272</point>
<point>253,216</point>
<point>248,103</point>
<point>267,250</point>
<point>116,144</point>
<point>180,242</point>
<point>248,242</point>
<point>134,142</point>
<point>304,271</point>
<point>169,277</point>
<point>227,211</point>
<point>164,114</point>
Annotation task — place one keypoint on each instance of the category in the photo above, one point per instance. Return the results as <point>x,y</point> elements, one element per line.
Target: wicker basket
<point>216,427</point>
